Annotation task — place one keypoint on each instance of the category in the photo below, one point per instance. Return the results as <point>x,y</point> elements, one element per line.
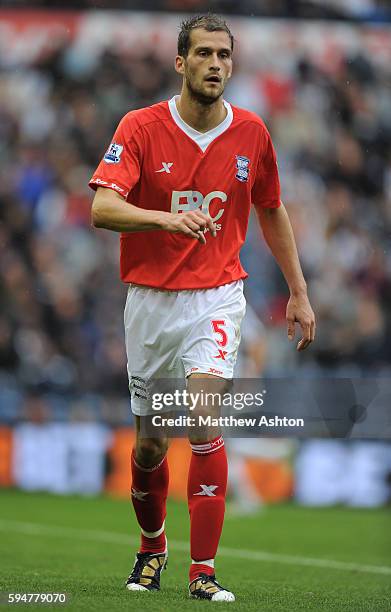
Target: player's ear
<point>180,64</point>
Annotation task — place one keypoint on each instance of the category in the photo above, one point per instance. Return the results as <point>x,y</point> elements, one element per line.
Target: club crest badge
<point>242,168</point>
<point>113,153</point>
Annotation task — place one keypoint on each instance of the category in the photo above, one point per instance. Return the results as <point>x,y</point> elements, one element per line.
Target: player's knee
<point>203,435</point>
<point>150,451</point>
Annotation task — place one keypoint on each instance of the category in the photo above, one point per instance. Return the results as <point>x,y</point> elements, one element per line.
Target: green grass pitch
<point>285,558</point>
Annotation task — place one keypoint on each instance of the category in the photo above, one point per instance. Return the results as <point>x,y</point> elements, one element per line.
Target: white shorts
<point>171,334</point>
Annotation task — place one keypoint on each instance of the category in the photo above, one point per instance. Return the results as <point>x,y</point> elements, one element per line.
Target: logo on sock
<point>207,490</point>
<point>139,494</point>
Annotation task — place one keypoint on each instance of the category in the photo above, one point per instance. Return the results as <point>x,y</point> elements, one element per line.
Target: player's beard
<point>198,95</point>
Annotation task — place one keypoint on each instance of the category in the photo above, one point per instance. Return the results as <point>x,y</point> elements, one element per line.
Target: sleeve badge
<point>113,153</point>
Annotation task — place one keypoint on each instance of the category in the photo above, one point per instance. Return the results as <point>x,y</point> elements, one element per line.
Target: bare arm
<point>278,234</point>
<point>111,211</point>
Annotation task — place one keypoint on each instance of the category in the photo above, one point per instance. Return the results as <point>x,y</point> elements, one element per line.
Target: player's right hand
<point>193,224</point>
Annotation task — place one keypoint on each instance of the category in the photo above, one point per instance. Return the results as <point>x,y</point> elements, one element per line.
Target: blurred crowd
<point>366,10</point>
<point>61,300</point>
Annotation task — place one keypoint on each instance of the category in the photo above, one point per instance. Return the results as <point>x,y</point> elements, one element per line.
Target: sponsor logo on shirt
<point>113,153</point>
<point>242,168</point>
<point>184,201</point>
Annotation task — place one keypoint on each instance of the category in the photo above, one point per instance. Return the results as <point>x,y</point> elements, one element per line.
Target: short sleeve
<point>120,167</point>
<point>266,189</point>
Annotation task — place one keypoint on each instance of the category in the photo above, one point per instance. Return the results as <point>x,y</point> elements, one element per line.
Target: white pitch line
<point>237,553</point>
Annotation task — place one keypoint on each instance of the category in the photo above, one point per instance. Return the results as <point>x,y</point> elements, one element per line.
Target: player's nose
<point>215,63</point>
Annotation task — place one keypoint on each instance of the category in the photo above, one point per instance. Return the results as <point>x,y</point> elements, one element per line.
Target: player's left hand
<point>299,310</point>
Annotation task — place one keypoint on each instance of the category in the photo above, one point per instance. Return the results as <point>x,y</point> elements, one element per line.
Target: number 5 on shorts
<point>218,329</point>
<point>222,338</point>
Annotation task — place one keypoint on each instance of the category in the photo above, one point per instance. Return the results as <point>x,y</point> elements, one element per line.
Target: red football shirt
<point>158,162</point>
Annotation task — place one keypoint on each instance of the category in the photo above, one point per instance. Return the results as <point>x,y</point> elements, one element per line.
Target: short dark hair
<point>210,23</point>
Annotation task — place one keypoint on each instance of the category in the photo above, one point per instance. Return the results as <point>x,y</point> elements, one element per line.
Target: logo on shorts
<point>221,354</point>
<point>242,168</point>
<point>113,153</point>
<point>214,371</point>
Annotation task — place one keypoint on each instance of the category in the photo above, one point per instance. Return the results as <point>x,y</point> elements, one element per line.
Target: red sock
<point>206,490</point>
<point>149,494</point>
